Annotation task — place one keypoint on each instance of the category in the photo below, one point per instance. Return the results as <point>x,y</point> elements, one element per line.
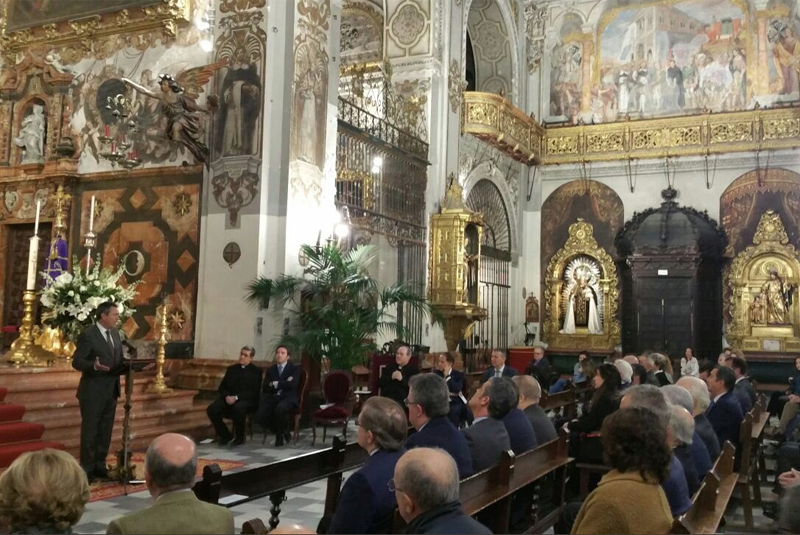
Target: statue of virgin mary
<point>581,298</point>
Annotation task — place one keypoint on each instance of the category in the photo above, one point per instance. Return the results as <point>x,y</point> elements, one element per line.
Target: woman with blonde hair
<point>43,491</point>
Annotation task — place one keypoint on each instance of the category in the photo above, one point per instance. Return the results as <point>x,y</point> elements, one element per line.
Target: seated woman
<point>366,504</point>
<point>43,491</point>
<point>629,498</point>
<point>689,365</point>
<point>605,401</point>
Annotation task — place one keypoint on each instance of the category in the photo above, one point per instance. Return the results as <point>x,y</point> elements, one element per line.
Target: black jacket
<point>396,390</point>
<point>288,382</point>
<point>487,440</point>
<point>447,519</point>
<point>709,437</point>
<point>98,384</point>
<point>542,371</point>
<point>592,420</point>
<point>243,382</point>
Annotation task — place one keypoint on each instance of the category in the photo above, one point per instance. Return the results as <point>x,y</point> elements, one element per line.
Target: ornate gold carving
<point>731,132</point>
<point>581,244</point>
<point>562,145</point>
<point>612,141</point>
<point>759,282</point>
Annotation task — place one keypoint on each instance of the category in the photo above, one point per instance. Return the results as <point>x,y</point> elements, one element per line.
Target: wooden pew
<point>752,460</point>
<point>566,399</point>
<point>711,500</point>
<point>760,420</point>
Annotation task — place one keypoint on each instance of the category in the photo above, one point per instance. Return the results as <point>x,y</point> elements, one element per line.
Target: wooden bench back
<point>746,443</point>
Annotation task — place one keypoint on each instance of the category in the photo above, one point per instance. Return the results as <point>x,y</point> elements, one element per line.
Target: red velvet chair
<point>297,413</point>
<point>336,389</point>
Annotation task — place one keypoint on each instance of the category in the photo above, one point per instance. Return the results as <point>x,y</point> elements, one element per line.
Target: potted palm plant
<point>337,308</point>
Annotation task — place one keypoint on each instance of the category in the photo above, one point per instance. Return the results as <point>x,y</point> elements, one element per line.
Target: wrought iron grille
<point>411,271</point>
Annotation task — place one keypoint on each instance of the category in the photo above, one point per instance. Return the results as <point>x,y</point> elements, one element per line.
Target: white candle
<point>91,215</point>
<point>36,225</point>
<point>33,254</point>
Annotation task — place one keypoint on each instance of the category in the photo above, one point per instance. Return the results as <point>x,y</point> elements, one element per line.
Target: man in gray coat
<point>487,437</point>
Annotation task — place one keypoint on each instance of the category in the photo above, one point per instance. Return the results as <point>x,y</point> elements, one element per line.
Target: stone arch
<point>487,171</point>
<point>361,33</point>
<point>498,51</point>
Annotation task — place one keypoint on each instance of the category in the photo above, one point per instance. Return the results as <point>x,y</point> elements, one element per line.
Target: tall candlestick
<point>33,254</point>
<point>36,225</point>
<point>91,215</point>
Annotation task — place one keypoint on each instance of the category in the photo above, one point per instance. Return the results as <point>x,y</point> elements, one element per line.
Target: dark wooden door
<point>665,314</point>
<point>18,244</point>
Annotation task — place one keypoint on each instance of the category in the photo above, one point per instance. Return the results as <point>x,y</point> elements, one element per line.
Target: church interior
<point>474,183</point>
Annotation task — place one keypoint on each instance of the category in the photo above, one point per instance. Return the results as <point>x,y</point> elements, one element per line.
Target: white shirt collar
<point>103,330</point>
<point>423,426</point>
<point>718,397</point>
<point>740,379</point>
<point>479,419</point>
<point>503,367</point>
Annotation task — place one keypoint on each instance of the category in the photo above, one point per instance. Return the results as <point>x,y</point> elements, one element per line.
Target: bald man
<point>426,487</point>
<point>169,472</point>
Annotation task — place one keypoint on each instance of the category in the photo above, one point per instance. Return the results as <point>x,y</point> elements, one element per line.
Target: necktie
<point>280,371</point>
<point>498,373</point>
<point>110,341</point>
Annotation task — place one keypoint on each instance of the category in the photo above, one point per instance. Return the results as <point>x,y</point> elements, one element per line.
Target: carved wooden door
<point>17,246</point>
<point>665,314</point>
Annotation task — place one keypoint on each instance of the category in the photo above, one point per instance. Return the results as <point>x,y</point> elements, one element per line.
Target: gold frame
<point>770,239</point>
<point>581,242</point>
<point>162,14</point>
<point>495,120</point>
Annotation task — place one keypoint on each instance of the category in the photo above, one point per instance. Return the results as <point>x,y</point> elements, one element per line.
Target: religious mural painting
<point>361,33</point>
<point>26,13</point>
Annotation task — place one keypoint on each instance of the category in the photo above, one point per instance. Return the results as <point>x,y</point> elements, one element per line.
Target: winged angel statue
<point>179,105</point>
<point>582,296</point>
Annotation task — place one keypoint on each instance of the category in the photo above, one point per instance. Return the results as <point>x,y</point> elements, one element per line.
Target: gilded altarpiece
<point>762,285</point>
<point>581,295</point>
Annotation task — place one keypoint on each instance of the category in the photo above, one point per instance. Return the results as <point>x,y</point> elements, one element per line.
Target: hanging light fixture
<point>117,134</point>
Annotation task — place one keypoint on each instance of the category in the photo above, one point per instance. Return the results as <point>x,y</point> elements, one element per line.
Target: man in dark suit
<point>499,368</point>
<point>279,396</point>
<point>98,356</point>
<point>428,407</point>
<point>393,383</point>
<point>540,368</point>
<point>238,397</point>
<point>699,391</point>
<point>487,438</point>
<point>743,389</point>
<point>426,484</point>
<point>529,395</point>
<point>725,412</point>
<point>519,429</point>
<point>455,386</point>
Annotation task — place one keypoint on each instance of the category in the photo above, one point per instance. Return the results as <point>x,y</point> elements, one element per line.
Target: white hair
<point>625,370</point>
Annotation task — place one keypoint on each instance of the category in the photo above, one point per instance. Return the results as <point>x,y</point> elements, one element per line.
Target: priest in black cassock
<point>393,382</point>
<point>238,396</point>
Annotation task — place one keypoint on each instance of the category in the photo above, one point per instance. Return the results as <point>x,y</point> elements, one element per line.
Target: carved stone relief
<point>409,28</point>
<point>234,190</point>
<point>455,86</point>
<point>535,19</point>
<point>361,34</point>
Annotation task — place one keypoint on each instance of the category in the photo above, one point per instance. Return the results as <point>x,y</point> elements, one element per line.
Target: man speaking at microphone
<point>99,358</point>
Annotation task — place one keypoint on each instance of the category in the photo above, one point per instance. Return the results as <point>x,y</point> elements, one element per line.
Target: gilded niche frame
<point>770,250</point>
<point>84,28</point>
<point>581,243</point>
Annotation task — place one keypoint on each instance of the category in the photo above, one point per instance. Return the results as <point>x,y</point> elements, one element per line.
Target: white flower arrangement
<point>73,298</point>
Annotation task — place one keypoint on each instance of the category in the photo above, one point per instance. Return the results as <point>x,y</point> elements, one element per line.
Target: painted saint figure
<point>31,136</point>
<point>582,304</point>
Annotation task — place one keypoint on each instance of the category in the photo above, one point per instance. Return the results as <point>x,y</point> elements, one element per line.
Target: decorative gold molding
<point>495,120</point>
<point>163,14</point>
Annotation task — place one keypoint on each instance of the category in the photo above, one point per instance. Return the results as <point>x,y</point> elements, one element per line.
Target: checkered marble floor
<point>304,505</point>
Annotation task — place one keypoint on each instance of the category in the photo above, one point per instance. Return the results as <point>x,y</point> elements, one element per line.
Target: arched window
<point>494,279</point>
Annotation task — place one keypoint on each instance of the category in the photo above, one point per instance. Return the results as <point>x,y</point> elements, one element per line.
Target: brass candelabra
<point>160,386</point>
<point>24,352</point>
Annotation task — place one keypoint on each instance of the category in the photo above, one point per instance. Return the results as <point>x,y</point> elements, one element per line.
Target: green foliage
<point>337,308</point>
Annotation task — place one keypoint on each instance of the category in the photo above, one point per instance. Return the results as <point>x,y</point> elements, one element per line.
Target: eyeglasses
<point>408,402</point>
<point>391,486</point>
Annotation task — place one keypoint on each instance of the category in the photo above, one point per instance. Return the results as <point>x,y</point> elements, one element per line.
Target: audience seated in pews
<point>678,396</point>
<point>169,469</point>
<point>698,389</point>
<point>661,368</point>
<point>279,396</point>
<point>366,505</point>
<point>724,413</point>
<point>426,486</point>
<point>393,382</point>
<point>519,429</point>
<point>499,368</point>
<point>742,390</point>
<point>629,499</point>
<point>582,372</point>
<point>42,491</point>
<point>680,432</point>
<point>455,386</point>
<point>238,397</point>
<point>790,409</point>
<point>604,402</point>
<point>649,365</point>
<point>428,407</point>
<point>675,485</point>
<point>540,368</point>
<point>625,374</point>
<point>633,360</point>
<point>529,395</point>
<point>487,437</point>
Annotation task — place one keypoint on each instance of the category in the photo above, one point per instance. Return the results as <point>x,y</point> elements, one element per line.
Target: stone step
<point>63,389</point>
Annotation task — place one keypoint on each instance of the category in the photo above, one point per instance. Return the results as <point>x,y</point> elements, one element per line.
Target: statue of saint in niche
<point>581,297</point>
<point>31,136</point>
<point>777,298</point>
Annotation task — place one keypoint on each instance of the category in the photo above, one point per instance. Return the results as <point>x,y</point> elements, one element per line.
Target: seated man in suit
<point>529,394</point>
<point>455,386</point>
<point>540,368</point>
<point>238,397</point>
<point>393,383</point>
<point>487,438</point>
<point>680,435</point>
<point>428,407</point>
<point>743,389</point>
<point>169,472</point>
<point>725,412</point>
<point>279,396</point>
<point>499,368</point>
<point>519,429</point>
<point>366,504</point>
<point>426,483</point>
<point>698,389</point>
